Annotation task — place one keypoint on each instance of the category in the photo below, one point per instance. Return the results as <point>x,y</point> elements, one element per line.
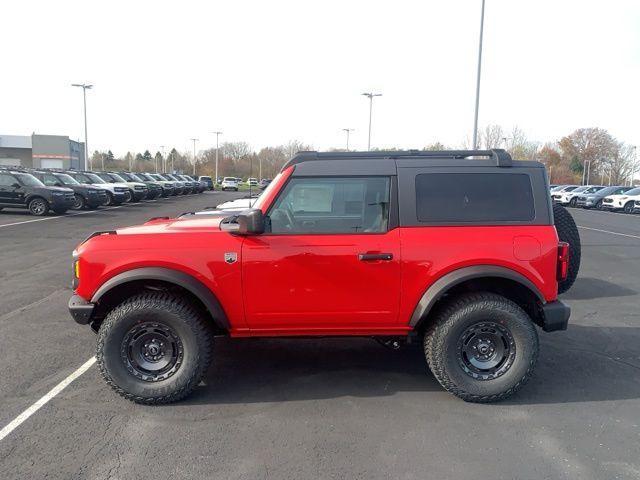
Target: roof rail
<point>500,156</point>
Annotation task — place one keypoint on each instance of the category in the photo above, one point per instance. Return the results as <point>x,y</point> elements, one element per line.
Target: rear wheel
<point>481,347</point>
<point>154,348</point>
<point>568,232</point>
<point>38,206</point>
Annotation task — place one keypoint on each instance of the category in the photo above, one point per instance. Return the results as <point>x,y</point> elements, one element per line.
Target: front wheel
<point>481,347</point>
<point>154,348</point>
<point>573,202</point>
<point>78,202</point>
<point>599,205</point>
<point>38,207</point>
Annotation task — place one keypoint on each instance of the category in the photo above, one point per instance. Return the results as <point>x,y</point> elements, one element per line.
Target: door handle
<point>368,257</point>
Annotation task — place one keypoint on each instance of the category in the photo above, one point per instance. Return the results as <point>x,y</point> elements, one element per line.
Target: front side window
<point>7,180</point>
<point>332,205</point>
<point>49,180</point>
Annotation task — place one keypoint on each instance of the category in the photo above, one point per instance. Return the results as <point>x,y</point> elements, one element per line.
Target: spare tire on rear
<point>568,232</point>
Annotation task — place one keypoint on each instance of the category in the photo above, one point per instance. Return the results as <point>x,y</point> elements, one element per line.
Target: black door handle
<point>367,257</point>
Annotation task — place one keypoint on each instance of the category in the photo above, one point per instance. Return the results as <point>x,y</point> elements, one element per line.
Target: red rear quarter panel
<point>428,253</point>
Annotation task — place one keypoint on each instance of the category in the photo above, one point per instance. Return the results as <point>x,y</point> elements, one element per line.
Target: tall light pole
<point>85,87</point>
<point>348,130</point>
<point>194,140</point>
<point>633,165</point>
<point>164,161</point>
<point>475,116</point>
<point>217,136</point>
<point>370,96</point>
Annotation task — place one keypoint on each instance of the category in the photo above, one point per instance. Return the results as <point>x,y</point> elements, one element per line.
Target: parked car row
<point>44,190</point>
<point>599,197</point>
<point>233,183</point>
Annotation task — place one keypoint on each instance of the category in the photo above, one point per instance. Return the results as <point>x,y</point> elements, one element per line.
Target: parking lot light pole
<point>162,147</point>
<point>85,87</point>
<point>217,136</point>
<point>475,115</point>
<point>194,140</point>
<point>370,96</point>
<point>348,131</point>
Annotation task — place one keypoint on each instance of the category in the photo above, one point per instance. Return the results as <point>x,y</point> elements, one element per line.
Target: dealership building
<point>41,151</point>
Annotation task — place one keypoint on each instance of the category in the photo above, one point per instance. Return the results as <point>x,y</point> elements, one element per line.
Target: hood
<point>186,224</point>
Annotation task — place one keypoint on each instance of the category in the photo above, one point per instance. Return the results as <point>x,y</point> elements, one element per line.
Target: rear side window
<point>474,197</point>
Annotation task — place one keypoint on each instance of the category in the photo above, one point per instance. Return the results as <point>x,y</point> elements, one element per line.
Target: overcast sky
<point>269,71</point>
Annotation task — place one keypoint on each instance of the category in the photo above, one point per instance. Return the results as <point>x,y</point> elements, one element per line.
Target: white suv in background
<point>571,198</point>
<point>229,183</point>
<point>624,201</point>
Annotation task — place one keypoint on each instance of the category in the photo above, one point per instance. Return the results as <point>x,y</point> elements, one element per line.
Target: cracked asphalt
<point>331,408</point>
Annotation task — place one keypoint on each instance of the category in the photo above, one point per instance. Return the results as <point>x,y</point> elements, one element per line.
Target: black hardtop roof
<point>495,157</point>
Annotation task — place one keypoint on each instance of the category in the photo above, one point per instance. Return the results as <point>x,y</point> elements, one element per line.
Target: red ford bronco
<point>456,248</point>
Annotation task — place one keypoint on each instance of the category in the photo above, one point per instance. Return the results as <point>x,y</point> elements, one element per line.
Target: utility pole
<point>85,87</point>
<point>162,147</point>
<point>194,154</point>
<point>370,96</point>
<point>475,116</point>
<point>348,130</point>
<point>217,136</point>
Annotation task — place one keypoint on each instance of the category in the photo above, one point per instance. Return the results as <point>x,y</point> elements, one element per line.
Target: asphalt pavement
<point>326,408</point>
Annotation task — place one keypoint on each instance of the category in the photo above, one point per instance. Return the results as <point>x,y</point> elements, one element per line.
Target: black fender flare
<point>184,280</point>
<point>451,279</point>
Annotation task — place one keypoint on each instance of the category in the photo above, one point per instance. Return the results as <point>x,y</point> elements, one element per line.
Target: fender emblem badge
<point>230,257</point>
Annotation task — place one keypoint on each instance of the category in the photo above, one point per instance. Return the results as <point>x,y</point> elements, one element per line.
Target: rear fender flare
<point>451,279</point>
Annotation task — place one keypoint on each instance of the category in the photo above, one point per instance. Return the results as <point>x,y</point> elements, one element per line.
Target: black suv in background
<point>115,195</point>
<point>166,188</point>
<point>154,189</point>
<point>23,190</point>
<point>85,196</point>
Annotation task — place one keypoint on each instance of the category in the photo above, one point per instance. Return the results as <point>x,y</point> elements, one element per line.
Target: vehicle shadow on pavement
<point>586,363</point>
<point>276,370</point>
<point>587,288</point>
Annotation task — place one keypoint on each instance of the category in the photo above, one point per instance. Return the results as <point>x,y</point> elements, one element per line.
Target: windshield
<point>569,189</point>
<point>28,180</point>
<point>593,189</point>
<point>67,179</point>
<point>635,191</point>
<point>267,191</point>
<point>94,178</point>
<point>157,177</point>
<point>580,189</point>
<point>80,178</point>
<point>134,177</point>
<point>117,178</point>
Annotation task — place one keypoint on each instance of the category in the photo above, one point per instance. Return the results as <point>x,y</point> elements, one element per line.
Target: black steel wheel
<point>154,348</point>
<point>38,206</point>
<point>486,350</point>
<point>78,202</point>
<point>152,351</point>
<point>481,347</point>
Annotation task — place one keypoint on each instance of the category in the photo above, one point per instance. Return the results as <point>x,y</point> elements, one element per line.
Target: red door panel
<point>318,282</point>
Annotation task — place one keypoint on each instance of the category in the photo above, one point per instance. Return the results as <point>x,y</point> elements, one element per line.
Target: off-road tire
<point>167,310</point>
<point>452,319</point>
<point>568,232</point>
<point>79,202</point>
<point>38,206</point>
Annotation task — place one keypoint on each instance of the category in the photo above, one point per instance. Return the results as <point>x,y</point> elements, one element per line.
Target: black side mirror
<point>249,222</point>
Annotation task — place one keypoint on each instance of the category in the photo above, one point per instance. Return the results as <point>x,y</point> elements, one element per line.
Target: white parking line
<point>612,233</point>
<point>40,403</point>
<point>63,216</point>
